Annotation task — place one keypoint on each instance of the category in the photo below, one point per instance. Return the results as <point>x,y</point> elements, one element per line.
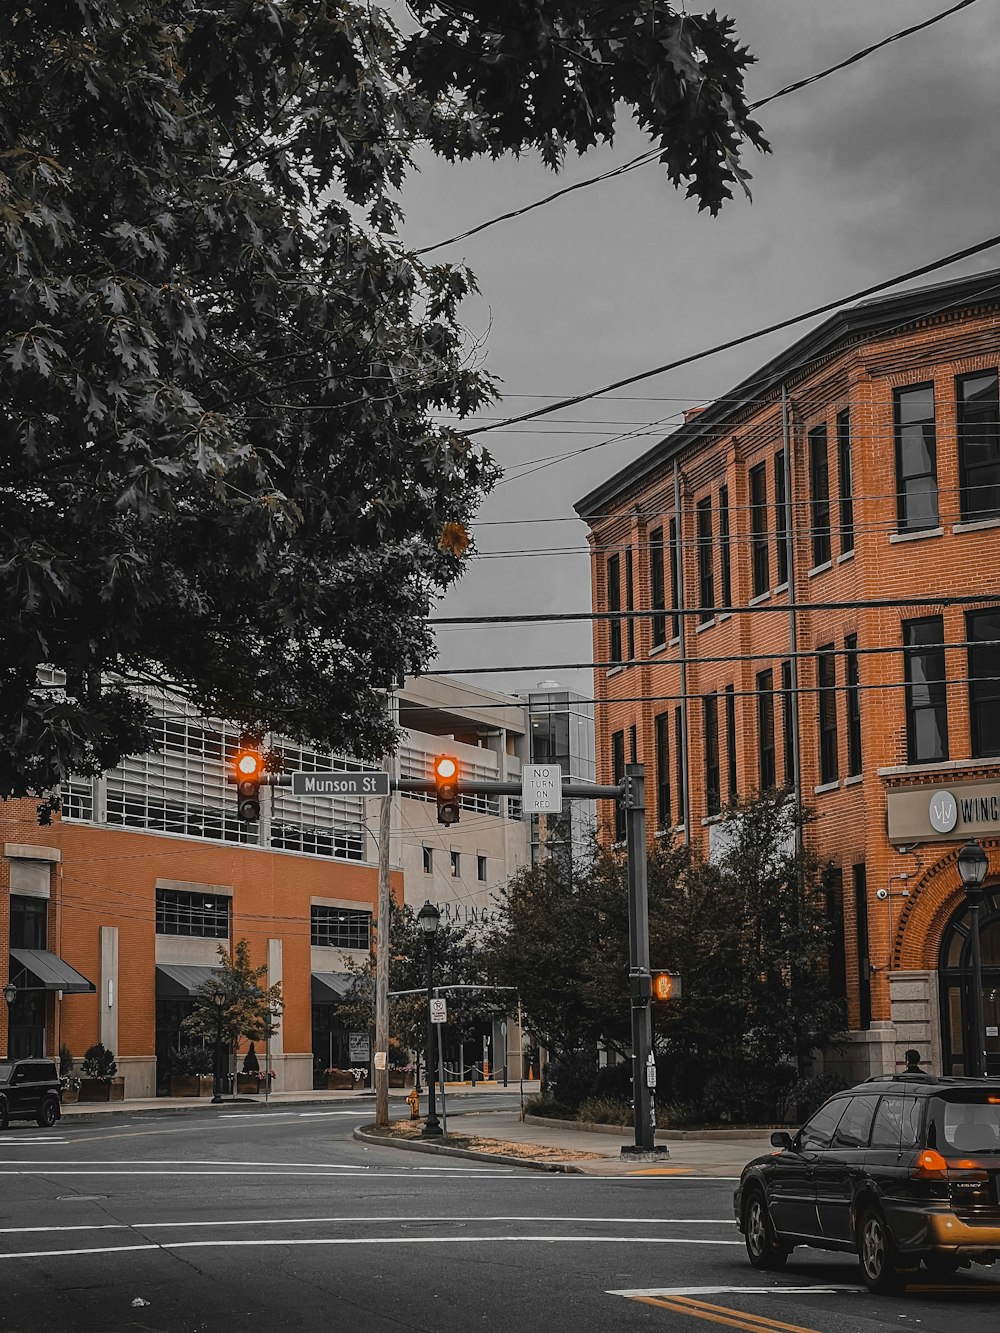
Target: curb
<point>668,1135</point>
<point>383,1141</point>
<point>199,1104</point>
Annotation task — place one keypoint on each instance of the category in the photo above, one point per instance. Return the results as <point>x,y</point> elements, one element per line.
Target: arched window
<point>956,984</point>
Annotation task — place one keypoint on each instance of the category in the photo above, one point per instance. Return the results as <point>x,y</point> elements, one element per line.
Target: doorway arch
<point>955,977</point>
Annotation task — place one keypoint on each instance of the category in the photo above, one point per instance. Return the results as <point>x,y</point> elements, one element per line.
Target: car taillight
<point>930,1165</point>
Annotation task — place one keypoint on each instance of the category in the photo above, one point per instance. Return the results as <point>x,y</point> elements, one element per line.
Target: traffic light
<point>249,766</point>
<point>666,986</point>
<point>446,788</point>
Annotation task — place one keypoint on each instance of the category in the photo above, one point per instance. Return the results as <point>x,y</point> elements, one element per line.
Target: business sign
<point>439,1009</point>
<point>541,789</point>
<point>956,812</point>
<point>359,1048</point>
<point>340,784</point>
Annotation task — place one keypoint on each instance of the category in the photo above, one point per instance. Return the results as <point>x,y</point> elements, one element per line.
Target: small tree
<point>99,1063</point>
<point>251,1065</point>
<point>247,1008</point>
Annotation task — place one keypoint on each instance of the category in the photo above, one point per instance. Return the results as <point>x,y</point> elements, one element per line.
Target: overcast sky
<point>881,167</point>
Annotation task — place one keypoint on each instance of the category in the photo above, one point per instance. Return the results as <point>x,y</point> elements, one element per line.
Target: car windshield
<point>967,1122</point>
<point>5,1072</point>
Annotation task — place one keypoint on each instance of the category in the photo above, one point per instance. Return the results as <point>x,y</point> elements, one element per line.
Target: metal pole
<point>432,1127</point>
<point>638,944</point>
<point>382,965</point>
<point>520,1055</point>
<point>977,1037</point>
<point>217,1095</point>
<point>678,556</point>
<point>267,1056</point>
<point>440,1065</point>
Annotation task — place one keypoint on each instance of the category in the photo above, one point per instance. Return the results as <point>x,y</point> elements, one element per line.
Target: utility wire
<point>652,154</point>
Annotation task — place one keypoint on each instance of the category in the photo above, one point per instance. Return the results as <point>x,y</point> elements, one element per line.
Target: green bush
<point>99,1063</point>
<point>606,1111</point>
<point>742,1093</point>
<point>615,1081</point>
<point>190,1060</point>
<point>251,1065</point>
<point>571,1078</point>
<point>550,1108</point>
<point>679,1115</point>
<point>808,1095</point>
<point>65,1061</point>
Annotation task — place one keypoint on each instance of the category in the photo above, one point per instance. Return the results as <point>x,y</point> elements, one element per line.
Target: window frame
<point>972,512</point>
<point>760,562</point>
<point>706,559</point>
<point>787,723</point>
<point>732,786</point>
<point>675,579</point>
<point>826,713</point>
<point>174,906</point>
<point>356,923</point>
<point>936,688</point>
<point>710,737</point>
<point>661,744</point>
<point>766,755</point>
<point>657,588</point>
<point>725,561</point>
<point>852,681</point>
<point>845,481</point>
<point>903,521</point>
<point>617,774</point>
<point>780,519</point>
<point>819,494</point>
<point>984,693</point>
<point>614,591</point>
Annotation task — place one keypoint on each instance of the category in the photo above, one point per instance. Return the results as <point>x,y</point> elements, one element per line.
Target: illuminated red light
<point>445,768</point>
<point>249,763</point>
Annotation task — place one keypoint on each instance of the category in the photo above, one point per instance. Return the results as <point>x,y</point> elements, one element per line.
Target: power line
<point>652,154</point>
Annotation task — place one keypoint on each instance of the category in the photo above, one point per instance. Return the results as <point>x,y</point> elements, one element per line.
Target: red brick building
<point>830,531</point>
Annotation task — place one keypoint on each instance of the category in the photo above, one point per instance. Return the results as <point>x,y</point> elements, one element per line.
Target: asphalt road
<point>279,1220</point>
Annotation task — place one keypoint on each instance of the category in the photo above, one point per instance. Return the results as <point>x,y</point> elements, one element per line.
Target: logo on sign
<point>943,812</point>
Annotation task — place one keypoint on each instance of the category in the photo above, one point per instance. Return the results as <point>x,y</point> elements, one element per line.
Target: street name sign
<point>439,1009</point>
<point>340,784</point>
<point>541,789</point>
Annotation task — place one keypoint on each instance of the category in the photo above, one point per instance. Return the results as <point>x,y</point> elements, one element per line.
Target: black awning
<point>179,981</point>
<point>53,974</point>
<point>330,987</point>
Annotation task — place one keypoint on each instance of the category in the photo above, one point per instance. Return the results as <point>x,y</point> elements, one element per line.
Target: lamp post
<point>219,1000</point>
<point>10,995</point>
<point>972,867</point>
<point>429,918</point>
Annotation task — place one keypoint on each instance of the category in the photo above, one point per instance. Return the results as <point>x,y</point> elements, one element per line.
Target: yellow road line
<point>720,1314</point>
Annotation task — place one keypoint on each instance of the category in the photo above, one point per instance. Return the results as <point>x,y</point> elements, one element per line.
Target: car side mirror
<point>781,1139</point>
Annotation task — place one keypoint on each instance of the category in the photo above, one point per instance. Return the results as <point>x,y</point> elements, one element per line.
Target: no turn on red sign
<point>541,789</point>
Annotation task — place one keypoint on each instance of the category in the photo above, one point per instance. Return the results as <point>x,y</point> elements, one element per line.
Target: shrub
<point>742,1093</point>
<point>809,1094</point>
<point>679,1115</point>
<point>615,1081</point>
<point>190,1060</point>
<point>549,1107</point>
<point>99,1063</point>
<point>251,1065</point>
<point>606,1111</point>
<point>397,1057</point>
<point>571,1078</point>
<point>65,1062</point>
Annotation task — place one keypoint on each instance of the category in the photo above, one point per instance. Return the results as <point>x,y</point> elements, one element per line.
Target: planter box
<point>340,1080</point>
<point>191,1085</point>
<point>69,1095</point>
<point>97,1090</point>
<point>400,1078</point>
<point>247,1083</point>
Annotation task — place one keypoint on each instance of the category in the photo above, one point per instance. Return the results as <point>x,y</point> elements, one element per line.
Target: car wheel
<point>942,1265</point>
<point>48,1114</point>
<point>4,1115</point>
<point>763,1248</point>
<point>877,1253</point>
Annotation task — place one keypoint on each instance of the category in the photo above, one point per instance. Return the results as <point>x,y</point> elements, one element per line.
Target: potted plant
<point>70,1084</point>
<point>339,1080</point>
<point>191,1072</point>
<point>99,1082</point>
<point>249,1079</point>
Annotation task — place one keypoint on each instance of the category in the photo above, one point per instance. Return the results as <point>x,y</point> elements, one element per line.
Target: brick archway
<point>917,938</point>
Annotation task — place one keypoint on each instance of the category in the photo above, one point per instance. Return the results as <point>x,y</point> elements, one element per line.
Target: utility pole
<point>640,986</point>
<point>382,966</point>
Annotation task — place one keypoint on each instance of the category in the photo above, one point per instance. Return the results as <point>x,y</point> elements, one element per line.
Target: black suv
<point>902,1169</point>
<point>29,1090</point>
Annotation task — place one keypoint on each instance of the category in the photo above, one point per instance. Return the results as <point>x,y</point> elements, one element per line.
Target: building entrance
<point>956,986</point>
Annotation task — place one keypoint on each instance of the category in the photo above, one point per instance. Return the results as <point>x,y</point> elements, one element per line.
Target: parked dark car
<point>29,1090</point>
<point>902,1170</point>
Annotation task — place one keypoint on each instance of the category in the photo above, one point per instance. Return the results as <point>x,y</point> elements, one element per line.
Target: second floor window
<point>29,923</point>
<point>617,773</point>
<point>760,571</point>
<point>826,681</point>
<point>340,927</point>
<point>710,717</point>
<point>780,518</point>
<point>916,459</point>
<point>428,853</point>
<point>681,783</point>
<point>205,915</point>
<point>845,478</point>
<point>456,865</point>
<point>614,604</point>
<point>979,445</point>
<point>765,729</point>
<point>819,489</point>
<point>725,569</point>
<point>706,559</point>
<point>661,727</point>
<point>657,589</point>
<point>629,602</point>
<point>675,580</point>
<point>853,699</point>
<point>983,631</point>
<point>732,784</point>
<point>481,868</point>
<point>926,691</point>
<point>787,724</point>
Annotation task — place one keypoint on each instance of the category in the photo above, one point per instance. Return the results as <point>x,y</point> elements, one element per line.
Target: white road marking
<point>188,1161</point>
<point>12,1143</point>
<point>335,1174</point>
<point>370,1240</point>
<point>829,1290</point>
<point>477,1219</point>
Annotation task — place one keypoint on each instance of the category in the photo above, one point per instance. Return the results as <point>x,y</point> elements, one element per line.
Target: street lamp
<point>10,995</point>
<point>428,919</point>
<point>219,1000</point>
<point>972,867</point>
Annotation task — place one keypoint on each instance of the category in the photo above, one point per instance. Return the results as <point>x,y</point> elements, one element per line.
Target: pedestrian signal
<point>446,789</point>
<point>666,986</point>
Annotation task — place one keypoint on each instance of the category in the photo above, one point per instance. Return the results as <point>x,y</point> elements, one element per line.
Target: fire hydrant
<point>413,1101</point>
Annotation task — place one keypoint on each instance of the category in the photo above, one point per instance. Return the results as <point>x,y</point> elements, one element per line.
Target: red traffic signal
<point>446,789</point>
<point>249,768</point>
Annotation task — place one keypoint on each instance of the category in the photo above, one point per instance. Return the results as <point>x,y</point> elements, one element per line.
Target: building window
<point>203,914</point>
<point>861,943</point>
<point>456,864</point>
<point>836,949</point>
<point>706,560</point>
<point>629,602</point>
<point>788,723</point>
<point>984,682</point>
<point>481,869</point>
<point>916,459</point>
<point>853,706</point>
<point>614,604</point>
<point>731,785</point>
<point>657,587</point>
<point>675,580</point>
<point>340,927</point>
<point>710,718</point>
<point>979,445</point>
<point>428,860</point>
<point>617,773</point>
<point>661,730</point>
<point>926,691</point>
<point>826,681</point>
<point>765,729</point>
<point>760,570</point>
<point>819,489</point>
<point>681,784</point>
<point>725,567</point>
<point>845,477</point>
<point>780,518</point>
<point>29,922</point>
<point>633,745</point>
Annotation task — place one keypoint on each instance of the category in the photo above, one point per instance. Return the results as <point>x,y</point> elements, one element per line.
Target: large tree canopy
<point>221,373</point>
